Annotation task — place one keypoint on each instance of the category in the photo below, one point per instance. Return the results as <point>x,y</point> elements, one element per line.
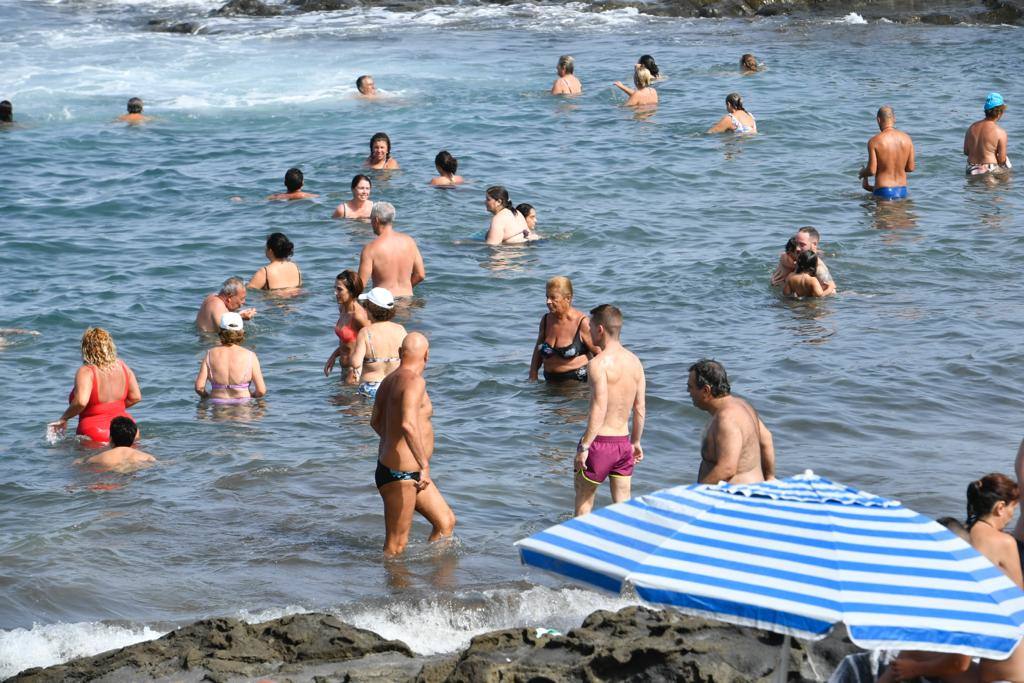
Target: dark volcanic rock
<point>168,26</point>
<point>225,648</point>
<point>634,644</point>
<point>249,8</point>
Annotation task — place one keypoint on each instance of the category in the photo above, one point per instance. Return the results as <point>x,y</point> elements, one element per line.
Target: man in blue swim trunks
<point>890,158</point>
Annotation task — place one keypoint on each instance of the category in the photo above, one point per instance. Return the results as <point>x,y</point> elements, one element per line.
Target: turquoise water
<point>905,384</point>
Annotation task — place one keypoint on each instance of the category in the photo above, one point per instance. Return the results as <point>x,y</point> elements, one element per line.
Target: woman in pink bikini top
<point>235,366</point>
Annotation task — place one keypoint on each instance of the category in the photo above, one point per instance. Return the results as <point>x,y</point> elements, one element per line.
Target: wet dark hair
<point>791,246</point>
<point>735,100</point>
<point>446,162</point>
<point>123,431</point>
<point>983,494</point>
<point>807,262</point>
<point>351,281</point>
<point>279,243</point>
<point>6,112</point>
<point>748,57</point>
<point>135,106</point>
<point>607,316</point>
<point>359,177</point>
<point>525,209</point>
<point>500,194</point>
<point>647,62</point>
<point>710,373</point>
<point>359,82</point>
<point>293,179</point>
<point>385,138</point>
<point>379,314</point>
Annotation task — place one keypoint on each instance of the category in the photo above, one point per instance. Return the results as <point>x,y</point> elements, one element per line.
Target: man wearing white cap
<point>392,260</point>
<point>375,355</point>
<point>985,141</point>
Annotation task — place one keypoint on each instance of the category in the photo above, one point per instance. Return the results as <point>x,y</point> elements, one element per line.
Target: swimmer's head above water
<point>380,146</point>
<point>886,117</point>
<point>361,186</point>
<point>734,102</point>
<point>807,262</point>
<point>135,105</point>
<point>123,431</point>
<point>446,163</point>
<point>6,112</point>
<point>366,86</point>
<point>382,215</point>
<point>647,62</point>
<point>293,179</point>
<point>642,77</point>
<point>529,213</point>
<point>707,380</point>
<point>347,285</point>
<point>748,62</point>
<point>280,246</point>
<point>497,199</point>
<point>994,494</point>
<point>566,65</point>
<point>559,288</point>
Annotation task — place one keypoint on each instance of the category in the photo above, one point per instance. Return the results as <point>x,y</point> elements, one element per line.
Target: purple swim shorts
<point>609,455</point>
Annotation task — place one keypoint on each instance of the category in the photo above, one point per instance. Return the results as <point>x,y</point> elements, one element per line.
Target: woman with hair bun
<point>281,272</point>
<point>991,505</point>
<point>508,226</point>
<point>736,119</point>
<point>104,388</point>
<point>447,167</point>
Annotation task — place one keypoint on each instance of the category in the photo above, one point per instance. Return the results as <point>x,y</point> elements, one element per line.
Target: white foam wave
<point>46,645</point>
<point>852,18</point>
<point>435,625</point>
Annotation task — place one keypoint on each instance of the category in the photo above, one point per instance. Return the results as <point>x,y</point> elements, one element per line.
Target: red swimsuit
<point>94,421</point>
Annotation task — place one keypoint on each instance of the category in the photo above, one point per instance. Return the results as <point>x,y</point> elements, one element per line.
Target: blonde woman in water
<point>644,95</point>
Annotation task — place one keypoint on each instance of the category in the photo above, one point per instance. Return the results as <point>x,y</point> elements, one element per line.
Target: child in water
<point>802,282</point>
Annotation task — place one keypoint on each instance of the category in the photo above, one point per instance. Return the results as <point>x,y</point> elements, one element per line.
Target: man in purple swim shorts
<point>609,447</point>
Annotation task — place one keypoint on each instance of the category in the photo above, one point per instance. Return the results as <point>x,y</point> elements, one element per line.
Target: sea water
<point>907,384</point>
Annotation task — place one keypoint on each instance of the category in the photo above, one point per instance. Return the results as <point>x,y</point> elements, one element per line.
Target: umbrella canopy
<point>794,556</point>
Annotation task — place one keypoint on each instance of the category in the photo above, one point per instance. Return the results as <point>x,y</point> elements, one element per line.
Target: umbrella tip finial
<point>808,473</point>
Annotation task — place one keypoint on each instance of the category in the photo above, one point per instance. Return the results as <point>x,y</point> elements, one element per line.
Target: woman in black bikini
<point>563,345</point>
<point>281,273</point>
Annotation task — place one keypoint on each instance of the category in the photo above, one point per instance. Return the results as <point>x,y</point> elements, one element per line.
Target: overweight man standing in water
<point>737,447</point>
<point>401,416</point>
<point>609,447</point>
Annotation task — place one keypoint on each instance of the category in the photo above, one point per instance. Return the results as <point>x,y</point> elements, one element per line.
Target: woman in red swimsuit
<point>352,317</point>
<point>104,388</point>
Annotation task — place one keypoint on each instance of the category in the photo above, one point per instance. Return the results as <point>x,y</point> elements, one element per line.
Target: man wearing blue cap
<point>985,142</point>
<point>890,158</point>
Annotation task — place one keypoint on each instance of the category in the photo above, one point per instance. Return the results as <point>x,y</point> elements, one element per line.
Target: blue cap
<point>993,100</point>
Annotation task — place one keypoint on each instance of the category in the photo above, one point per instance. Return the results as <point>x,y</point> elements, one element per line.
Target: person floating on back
<point>985,141</point>
<point>134,115</point>
<point>122,457</point>
<point>293,181</point>
<point>890,158</point>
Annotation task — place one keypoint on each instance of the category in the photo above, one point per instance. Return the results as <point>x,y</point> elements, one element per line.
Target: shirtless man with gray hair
<point>231,297</point>
<point>737,446</point>
<point>392,260</point>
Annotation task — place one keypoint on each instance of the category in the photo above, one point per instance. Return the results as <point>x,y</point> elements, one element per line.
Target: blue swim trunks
<point>891,192</point>
<point>368,389</point>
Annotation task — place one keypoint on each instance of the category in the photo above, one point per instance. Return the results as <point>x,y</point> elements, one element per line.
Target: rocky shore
<point>941,12</point>
<point>635,644</point>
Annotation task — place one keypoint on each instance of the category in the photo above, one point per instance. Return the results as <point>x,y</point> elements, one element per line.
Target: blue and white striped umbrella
<point>794,556</point>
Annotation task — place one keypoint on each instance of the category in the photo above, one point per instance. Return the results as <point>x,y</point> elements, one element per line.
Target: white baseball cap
<point>379,296</point>
<point>231,321</point>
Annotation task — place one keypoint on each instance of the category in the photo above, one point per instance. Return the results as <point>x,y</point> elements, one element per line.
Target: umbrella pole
<point>782,667</point>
